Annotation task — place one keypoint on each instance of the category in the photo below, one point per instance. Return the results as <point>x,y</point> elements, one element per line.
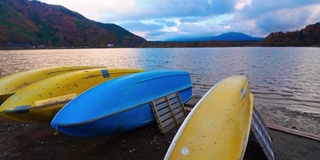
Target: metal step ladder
<point>169,111</point>
<point>260,132</point>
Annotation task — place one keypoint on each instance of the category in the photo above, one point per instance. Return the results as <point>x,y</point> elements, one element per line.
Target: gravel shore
<point>38,141</point>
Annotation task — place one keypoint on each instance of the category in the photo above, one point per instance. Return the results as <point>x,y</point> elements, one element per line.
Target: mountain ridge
<point>229,36</point>
<point>32,23</point>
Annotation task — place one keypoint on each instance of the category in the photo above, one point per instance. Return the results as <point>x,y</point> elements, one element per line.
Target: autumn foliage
<point>308,36</point>
<point>25,23</point>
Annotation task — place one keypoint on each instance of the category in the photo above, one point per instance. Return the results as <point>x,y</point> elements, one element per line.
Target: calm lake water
<point>284,77</point>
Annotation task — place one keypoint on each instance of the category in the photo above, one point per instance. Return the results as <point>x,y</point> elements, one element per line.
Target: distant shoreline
<point>28,48</point>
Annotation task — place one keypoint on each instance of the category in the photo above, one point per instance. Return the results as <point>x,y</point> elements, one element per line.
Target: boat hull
<point>109,109</point>
<point>9,85</point>
<point>40,101</point>
<point>218,126</point>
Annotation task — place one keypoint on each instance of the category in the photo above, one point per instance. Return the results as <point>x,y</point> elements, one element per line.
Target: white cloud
<point>141,33</point>
<point>100,9</point>
<point>314,13</point>
<point>242,3</point>
<point>226,26</point>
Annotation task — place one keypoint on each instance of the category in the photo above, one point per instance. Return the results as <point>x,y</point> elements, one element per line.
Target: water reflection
<point>283,76</point>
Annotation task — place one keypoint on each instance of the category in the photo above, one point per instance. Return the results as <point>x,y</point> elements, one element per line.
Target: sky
<point>160,20</point>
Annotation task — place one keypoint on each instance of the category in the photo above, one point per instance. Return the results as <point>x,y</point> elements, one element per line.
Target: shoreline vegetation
<point>154,44</point>
<point>164,45</point>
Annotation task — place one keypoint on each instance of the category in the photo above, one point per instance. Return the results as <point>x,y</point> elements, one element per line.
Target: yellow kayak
<point>15,82</point>
<point>40,101</point>
<point>218,126</point>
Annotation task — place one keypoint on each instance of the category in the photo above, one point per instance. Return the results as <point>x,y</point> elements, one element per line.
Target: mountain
<point>308,36</point>
<point>27,23</point>
<point>236,36</point>
<point>230,36</point>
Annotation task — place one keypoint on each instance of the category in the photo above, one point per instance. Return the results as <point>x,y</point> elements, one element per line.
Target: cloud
<point>99,10</point>
<point>257,20</point>
<point>168,23</point>
<point>283,20</point>
<point>123,10</point>
<point>186,8</point>
<point>242,3</point>
<point>162,19</point>
<point>261,6</point>
<point>140,26</point>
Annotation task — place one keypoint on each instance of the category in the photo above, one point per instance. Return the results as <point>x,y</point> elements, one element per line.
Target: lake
<point>285,77</point>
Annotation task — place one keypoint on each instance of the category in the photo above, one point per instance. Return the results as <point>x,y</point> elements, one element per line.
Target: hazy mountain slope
<point>230,36</point>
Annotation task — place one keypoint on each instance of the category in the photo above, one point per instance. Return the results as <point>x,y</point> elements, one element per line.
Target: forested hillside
<point>25,23</point>
<point>308,36</point>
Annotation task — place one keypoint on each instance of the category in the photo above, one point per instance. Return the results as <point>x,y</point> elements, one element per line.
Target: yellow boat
<point>40,101</point>
<point>15,82</point>
<point>218,126</point>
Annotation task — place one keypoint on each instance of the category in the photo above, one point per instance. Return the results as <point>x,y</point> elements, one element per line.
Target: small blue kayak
<point>121,104</point>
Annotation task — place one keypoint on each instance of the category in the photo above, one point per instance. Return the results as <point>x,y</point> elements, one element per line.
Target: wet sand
<point>38,141</point>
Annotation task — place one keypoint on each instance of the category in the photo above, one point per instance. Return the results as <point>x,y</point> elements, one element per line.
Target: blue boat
<point>121,104</point>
